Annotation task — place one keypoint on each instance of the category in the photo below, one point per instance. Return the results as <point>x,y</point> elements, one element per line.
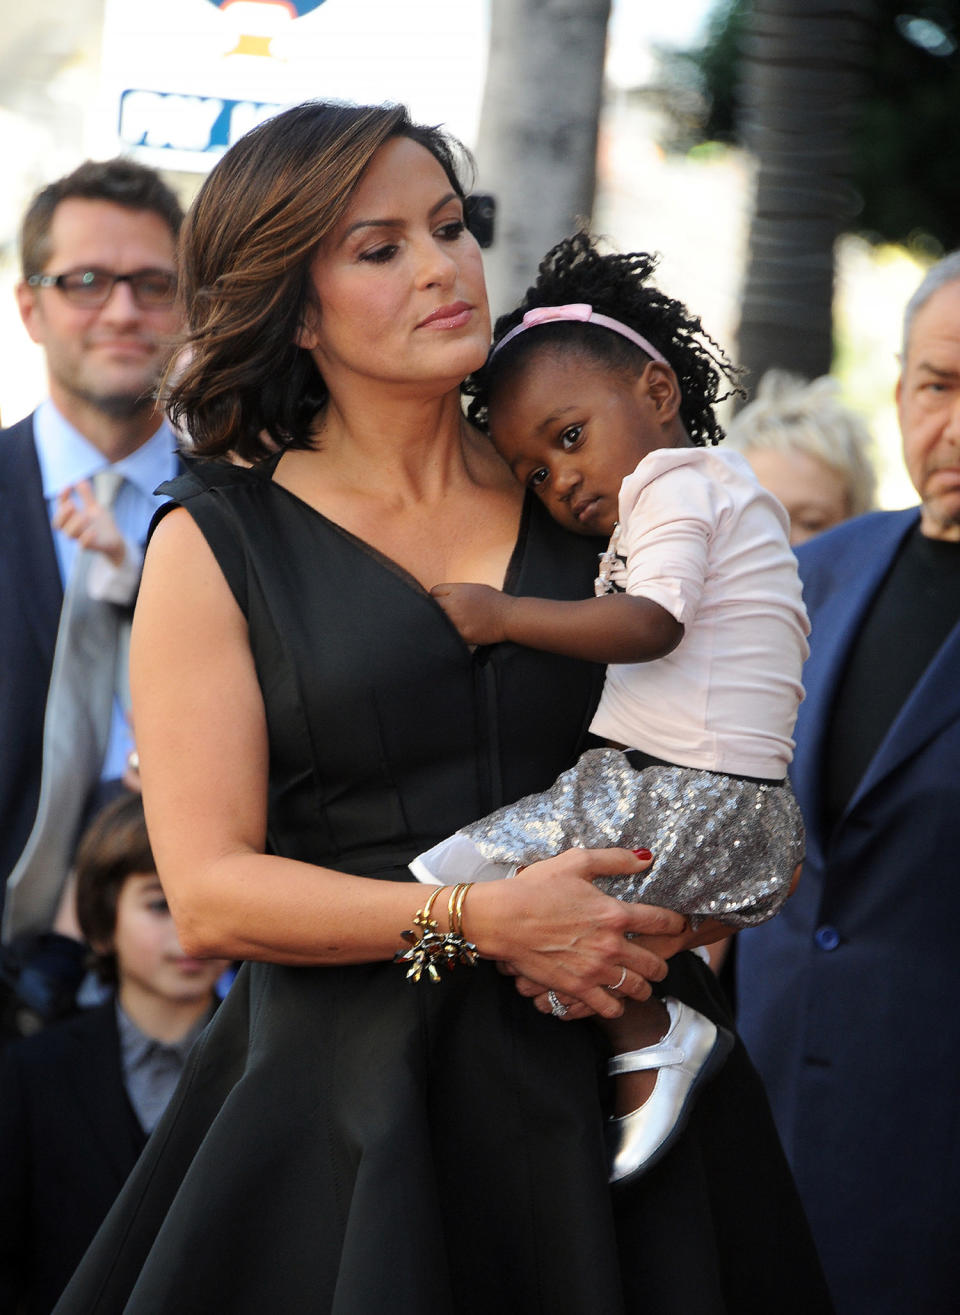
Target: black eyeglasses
<point>153,289</point>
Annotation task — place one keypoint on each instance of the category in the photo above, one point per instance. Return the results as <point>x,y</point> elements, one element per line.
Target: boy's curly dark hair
<point>616,285</point>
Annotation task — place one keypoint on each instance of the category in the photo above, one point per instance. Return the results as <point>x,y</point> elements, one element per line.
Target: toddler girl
<point>599,394</point>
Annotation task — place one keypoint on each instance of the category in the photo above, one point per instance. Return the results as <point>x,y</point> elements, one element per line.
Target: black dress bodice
<point>386,732</point>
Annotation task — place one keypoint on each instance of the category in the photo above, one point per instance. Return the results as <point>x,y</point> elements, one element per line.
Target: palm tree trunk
<point>804,72</point>
<point>537,144</point>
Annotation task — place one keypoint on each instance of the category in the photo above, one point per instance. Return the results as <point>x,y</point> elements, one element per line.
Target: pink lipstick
<point>453,316</point>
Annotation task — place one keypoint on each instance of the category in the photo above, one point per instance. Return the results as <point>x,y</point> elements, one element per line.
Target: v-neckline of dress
<point>267,470</point>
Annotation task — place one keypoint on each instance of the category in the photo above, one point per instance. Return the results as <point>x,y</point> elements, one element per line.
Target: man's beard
<point>119,406</point>
<point>115,397</point>
<point>124,406</point>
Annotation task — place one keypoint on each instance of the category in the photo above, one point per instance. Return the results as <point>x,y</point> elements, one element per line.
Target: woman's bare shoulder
<point>175,541</point>
<point>181,570</point>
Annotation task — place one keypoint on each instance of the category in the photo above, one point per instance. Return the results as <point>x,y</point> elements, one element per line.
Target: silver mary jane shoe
<point>690,1053</point>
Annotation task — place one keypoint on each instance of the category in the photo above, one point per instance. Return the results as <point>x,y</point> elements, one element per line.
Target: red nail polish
<point>643,853</point>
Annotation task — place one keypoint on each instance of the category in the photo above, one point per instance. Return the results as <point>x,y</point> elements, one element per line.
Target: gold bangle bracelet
<point>459,949</point>
<point>461,896</point>
<point>451,909</point>
<point>422,918</point>
<point>455,907</point>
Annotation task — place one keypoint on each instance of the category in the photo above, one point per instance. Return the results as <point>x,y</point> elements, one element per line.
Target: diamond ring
<point>556,1008</point>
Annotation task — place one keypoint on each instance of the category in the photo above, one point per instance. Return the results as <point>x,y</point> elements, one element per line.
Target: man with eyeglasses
<point>99,294</point>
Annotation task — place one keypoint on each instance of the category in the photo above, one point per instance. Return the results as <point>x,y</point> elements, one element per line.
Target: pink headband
<point>583,313</point>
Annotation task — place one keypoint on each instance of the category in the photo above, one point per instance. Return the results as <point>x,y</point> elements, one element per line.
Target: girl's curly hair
<point>618,286</point>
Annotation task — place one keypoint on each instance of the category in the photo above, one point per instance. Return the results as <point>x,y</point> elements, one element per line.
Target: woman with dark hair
<point>356,1135</point>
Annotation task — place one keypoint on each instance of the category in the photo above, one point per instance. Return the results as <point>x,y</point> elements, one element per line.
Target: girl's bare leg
<point>642,1023</point>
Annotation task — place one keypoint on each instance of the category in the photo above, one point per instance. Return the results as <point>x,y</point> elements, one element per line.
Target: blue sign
<point>205,125</point>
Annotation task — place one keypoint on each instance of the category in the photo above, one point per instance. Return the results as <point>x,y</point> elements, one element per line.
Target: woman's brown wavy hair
<point>243,386</point>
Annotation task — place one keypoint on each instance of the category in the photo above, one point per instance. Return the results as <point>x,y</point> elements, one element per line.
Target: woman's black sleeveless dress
<point>345,1141</point>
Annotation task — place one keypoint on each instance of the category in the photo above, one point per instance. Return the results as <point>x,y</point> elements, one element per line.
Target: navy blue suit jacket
<point>31,596</point>
<point>68,1140</point>
<point>849,1000</point>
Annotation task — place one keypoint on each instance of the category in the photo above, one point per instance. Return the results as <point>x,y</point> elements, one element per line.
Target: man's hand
<point>478,612</point>
<point>82,517</point>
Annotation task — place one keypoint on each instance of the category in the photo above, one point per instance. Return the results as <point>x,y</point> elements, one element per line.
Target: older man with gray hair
<point>849,999</point>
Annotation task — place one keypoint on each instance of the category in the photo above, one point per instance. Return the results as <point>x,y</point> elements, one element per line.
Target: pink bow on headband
<point>577,310</point>
<point>580,312</point>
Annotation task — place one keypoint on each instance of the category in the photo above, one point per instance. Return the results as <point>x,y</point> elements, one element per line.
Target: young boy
<point>78,1100</point>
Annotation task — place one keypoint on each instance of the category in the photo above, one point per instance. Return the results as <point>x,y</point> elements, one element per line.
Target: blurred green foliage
<point>907,144</point>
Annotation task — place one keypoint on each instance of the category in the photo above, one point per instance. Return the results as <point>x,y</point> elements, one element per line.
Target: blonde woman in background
<point>808,450</point>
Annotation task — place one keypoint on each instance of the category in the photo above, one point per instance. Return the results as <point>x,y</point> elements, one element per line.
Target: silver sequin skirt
<point>723,847</point>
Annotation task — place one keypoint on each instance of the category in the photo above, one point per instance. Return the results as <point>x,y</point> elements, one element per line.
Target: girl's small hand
<point>552,929</point>
<point>478,611</point>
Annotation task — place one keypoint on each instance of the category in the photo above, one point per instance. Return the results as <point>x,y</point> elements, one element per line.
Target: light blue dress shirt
<point>66,458</point>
